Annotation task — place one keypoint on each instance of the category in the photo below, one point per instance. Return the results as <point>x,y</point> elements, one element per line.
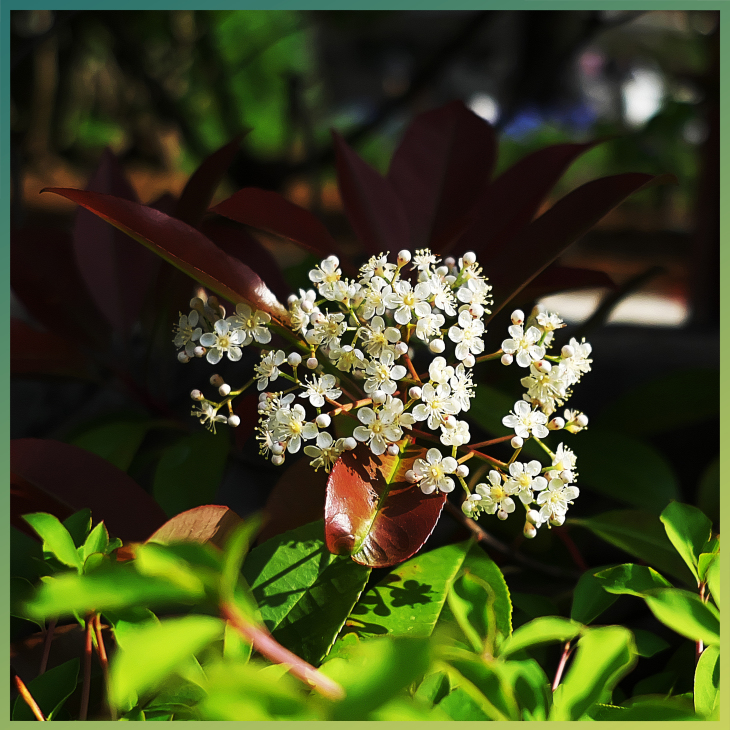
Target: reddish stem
<point>411,369</point>
<point>47,645</point>
<point>561,665</point>
<point>491,442</point>
<point>103,660</point>
<point>86,688</point>
<point>27,697</point>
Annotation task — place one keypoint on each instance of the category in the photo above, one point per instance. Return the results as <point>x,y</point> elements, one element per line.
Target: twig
<point>103,660</point>
<point>27,696</point>
<point>562,533</point>
<point>499,440</point>
<point>486,539</point>
<point>86,688</point>
<point>561,666</point>
<point>47,645</point>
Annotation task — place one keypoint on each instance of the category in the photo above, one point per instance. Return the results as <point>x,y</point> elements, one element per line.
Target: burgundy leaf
<point>117,273</point>
<point>200,188</point>
<point>76,478</point>
<point>183,246</point>
<point>439,172</point>
<point>565,278</point>
<point>514,198</point>
<point>165,203</point>
<point>269,211</point>
<point>372,513</point>
<point>241,245</point>
<point>44,276</point>
<point>211,523</point>
<point>373,208</point>
<point>514,266</point>
<point>247,409</point>
<point>33,352</point>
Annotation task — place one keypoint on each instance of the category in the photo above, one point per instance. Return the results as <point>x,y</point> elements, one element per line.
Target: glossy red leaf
<point>211,523</point>
<point>33,352</point>
<point>76,479</point>
<point>241,245</point>
<point>269,211</point>
<point>202,184</point>
<point>372,513</point>
<point>440,171</point>
<point>183,246</point>
<point>373,208</point>
<point>117,273</point>
<point>514,198</point>
<point>514,266</point>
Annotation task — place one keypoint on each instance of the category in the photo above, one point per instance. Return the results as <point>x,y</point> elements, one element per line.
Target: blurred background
<point>164,89</point>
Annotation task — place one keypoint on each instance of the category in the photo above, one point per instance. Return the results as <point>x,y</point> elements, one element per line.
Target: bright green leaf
<point>154,653</point>
<point>237,547</point>
<point>713,580</point>
<point>643,709</point>
<point>648,644</point>
<point>50,690</point>
<point>707,680</point>
<point>531,687</point>
<point>56,538</point>
<point>543,630</point>
<point>688,529</point>
<point>158,561</point>
<point>434,688</point>
<point>703,564</point>
<point>235,647</point>
<point>589,598</point>
<point>78,525</point>
<point>685,613</point>
<point>471,601</point>
<point>97,541</point>
<point>459,705</point>
<point>631,579</point>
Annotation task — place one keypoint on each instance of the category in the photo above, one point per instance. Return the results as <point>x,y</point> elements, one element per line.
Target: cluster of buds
<point>353,352</point>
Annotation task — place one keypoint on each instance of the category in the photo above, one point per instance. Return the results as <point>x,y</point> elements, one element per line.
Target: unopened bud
<point>312,363</point>
<point>224,390</point>
<point>291,299</point>
<point>199,351</point>
<point>196,395</point>
<point>323,420</point>
<point>556,424</point>
<point>566,475</point>
<point>234,421</point>
<point>517,442</point>
<point>415,392</point>
<point>462,471</point>
<point>476,310</point>
<point>442,270</point>
<point>506,359</point>
<point>469,258</point>
<point>502,514</point>
<point>529,531</point>
<point>469,361</point>
<point>437,346</point>
<point>582,420</point>
<point>307,305</point>
<point>567,351</point>
<point>378,396</point>
<point>518,317</point>
<point>393,449</point>
<point>216,381</point>
<point>404,257</point>
<point>557,520</point>
<point>449,421</point>
<point>350,443</point>
<point>277,459</point>
<point>277,449</point>
<point>411,476</point>
<point>401,348</point>
<point>263,397</point>
<point>182,356</point>
<point>532,516</point>
<point>542,366</point>
<point>316,318</point>
<point>294,360</point>
<point>467,507</point>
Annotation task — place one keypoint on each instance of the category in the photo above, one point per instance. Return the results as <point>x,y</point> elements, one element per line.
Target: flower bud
<point>506,359</point>
<point>469,361</point>
<point>216,381</point>
<point>449,261</point>
<point>294,360</point>
<point>411,476</point>
<point>529,531</point>
<point>234,421</point>
<point>291,299</point>
<point>467,507</point>
<point>567,351</point>
<point>566,475</point>
<point>323,420</point>
<point>404,257</point>
<point>437,346</point>
<point>401,348</point>
<point>263,397</point>
<point>350,443</point>
<point>307,305</point>
<point>532,516</point>
<point>449,421</point>
<point>462,471</point>
<point>225,389</point>
<point>582,420</point>
<point>557,520</point>
<point>476,310</point>
<point>469,258</point>
<point>199,351</point>
<point>312,363</point>
<point>542,366</point>
<point>393,449</point>
<point>182,356</point>
<point>196,394</point>
<point>556,424</point>
<point>517,442</point>
<point>415,392</point>
<point>442,271</point>
<point>518,316</point>
<point>378,396</point>
<point>277,459</point>
<point>316,318</point>
<point>277,449</point>
<point>502,514</point>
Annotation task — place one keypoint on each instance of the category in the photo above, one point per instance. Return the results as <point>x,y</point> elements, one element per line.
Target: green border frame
<point>7,5</point>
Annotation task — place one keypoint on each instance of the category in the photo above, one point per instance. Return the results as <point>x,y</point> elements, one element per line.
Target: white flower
<point>564,459</point>
<point>468,335</point>
<point>251,325</point>
<point>556,498</point>
<point>222,340</point>
<point>187,332</point>
<point>377,266</point>
<point>373,297</point>
<point>423,260</point>
<point>462,387</point>
<point>347,358</point>
<point>547,390</point>
<point>405,300</point>
<point>429,326</point>
<point>377,337</point>
<point>268,368</point>
<point>475,291</point>
<point>431,472</point>
<point>378,430</point>
<point>525,421</point>
<point>327,278</point>
<point>549,321</point>
<point>495,496</point>
<point>326,330</point>
<point>383,373</point>
<point>579,363</point>
<point>439,371</point>
<point>290,427</point>
<point>456,436</point>
<point>443,297</point>
<point>208,415</point>
<point>326,452</point>
<point>523,344</point>
<point>437,403</point>
<point>321,388</point>
<point>394,407</point>
<point>524,478</point>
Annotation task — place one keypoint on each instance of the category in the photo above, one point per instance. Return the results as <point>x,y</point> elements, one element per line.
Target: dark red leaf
<point>514,198</point>
<point>200,188</point>
<point>240,244</point>
<point>44,276</point>
<point>33,352</point>
<point>440,170</point>
<point>373,208</point>
<point>211,523</point>
<point>165,203</point>
<point>183,246</point>
<point>565,278</point>
<point>296,499</point>
<point>372,513</point>
<point>247,409</point>
<point>76,478</point>
<point>118,273</point>
<point>515,265</point>
<point>269,211</point>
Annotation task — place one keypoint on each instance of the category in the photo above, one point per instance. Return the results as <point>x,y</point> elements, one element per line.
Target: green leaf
<point>237,547</point>
<point>646,481</point>
<point>235,647</point>
<point>404,709</point>
<point>707,680</point>
<point>304,593</point>
<point>531,687</point>
<point>471,601</point>
<point>543,630</point>
<point>374,671</point>
<point>703,565</point>
<point>154,653</point>
<point>78,526</point>
<point>589,598</point>
<point>50,690</point>
<point>713,580</point>
<point>641,535</point>
<point>630,579</point>
<point>695,398</point>
<point>56,538</point>
<point>96,542</point>
<point>434,688</point>
<point>644,709</point>
<point>685,613</point>
<point>689,530</point>
<point>158,561</point>
<point>648,644</point>
<point>603,656</point>
<point>189,472</point>
<point>459,705</point>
